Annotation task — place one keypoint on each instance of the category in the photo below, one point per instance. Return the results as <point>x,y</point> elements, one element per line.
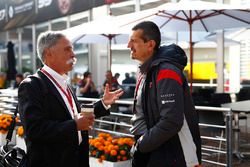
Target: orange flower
<point>121,142</point>
<point>124,158</point>
<point>106,151</point>
<point>110,147</point>
<point>97,144</point>
<point>113,152</point>
<point>116,147</point>
<point>103,157</point>
<point>94,153</point>
<point>17,119</point>
<point>104,147</point>
<point>107,143</point>
<point>5,121</point>
<point>101,148</point>
<point>20,131</point>
<point>122,152</point>
<point>110,139</point>
<point>119,157</point>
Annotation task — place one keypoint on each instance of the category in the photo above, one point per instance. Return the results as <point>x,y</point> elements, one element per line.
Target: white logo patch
<point>168,95</point>
<point>167,101</point>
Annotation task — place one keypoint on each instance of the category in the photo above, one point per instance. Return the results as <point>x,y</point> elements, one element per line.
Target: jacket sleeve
<point>100,110</point>
<point>37,119</point>
<point>170,109</point>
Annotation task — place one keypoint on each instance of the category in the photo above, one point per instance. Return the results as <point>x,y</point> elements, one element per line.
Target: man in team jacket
<point>165,123</point>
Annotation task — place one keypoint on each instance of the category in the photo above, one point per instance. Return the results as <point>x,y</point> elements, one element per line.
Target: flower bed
<point>107,148</point>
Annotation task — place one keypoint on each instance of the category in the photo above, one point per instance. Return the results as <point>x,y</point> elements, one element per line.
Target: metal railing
<point>111,123</point>
<point>115,123</point>
<point>227,128</point>
<point>227,152</point>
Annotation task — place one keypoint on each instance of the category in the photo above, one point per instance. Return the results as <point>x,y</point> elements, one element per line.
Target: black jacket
<point>50,132</point>
<point>166,101</point>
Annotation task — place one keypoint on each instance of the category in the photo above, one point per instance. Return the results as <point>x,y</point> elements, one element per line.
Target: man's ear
<point>46,52</point>
<point>151,45</point>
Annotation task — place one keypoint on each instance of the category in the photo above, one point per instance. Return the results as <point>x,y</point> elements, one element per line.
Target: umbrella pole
<point>109,55</point>
<point>191,56</point>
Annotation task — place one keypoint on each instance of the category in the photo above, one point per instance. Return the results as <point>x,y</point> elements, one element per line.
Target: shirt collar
<point>61,79</point>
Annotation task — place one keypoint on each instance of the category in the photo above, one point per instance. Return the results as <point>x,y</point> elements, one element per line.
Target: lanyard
<point>138,84</point>
<point>136,91</point>
<point>67,94</point>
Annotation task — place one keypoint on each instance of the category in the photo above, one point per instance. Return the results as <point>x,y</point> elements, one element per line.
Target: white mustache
<point>71,61</point>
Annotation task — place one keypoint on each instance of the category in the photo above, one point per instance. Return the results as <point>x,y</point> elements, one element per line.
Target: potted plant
<point>108,151</point>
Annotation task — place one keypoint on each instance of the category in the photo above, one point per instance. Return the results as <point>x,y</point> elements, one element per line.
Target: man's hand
<point>110,97</point>
<point>84,122</point>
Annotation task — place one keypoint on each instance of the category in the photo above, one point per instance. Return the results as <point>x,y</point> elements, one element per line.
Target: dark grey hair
<point>47,40</point>
<point>150,32</point>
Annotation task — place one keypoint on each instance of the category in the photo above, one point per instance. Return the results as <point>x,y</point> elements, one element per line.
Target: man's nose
<point>129,44</point>
<point>73,55</point>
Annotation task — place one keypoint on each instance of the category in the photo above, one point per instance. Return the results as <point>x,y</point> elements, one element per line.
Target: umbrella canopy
<point>195,16</point>
<point>11,71</point>
<point>183,36</point>
<point>198,38</point>
<point>227,41</point>
<point>102,31</point>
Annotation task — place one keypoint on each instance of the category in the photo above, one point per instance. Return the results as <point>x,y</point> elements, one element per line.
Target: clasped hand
<point>85,122</point>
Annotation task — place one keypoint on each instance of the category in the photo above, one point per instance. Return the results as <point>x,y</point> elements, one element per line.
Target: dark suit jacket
<point>50,132</point>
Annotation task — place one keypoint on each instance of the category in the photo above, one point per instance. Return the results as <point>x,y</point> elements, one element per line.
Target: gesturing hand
<point>110,97</point>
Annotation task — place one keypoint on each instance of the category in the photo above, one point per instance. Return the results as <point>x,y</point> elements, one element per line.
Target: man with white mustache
<point>56,134</point>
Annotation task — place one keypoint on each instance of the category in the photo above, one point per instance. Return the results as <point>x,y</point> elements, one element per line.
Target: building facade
<point>22,21</point>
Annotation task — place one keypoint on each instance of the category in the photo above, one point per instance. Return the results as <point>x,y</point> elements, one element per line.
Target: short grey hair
<point>47,40</point>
